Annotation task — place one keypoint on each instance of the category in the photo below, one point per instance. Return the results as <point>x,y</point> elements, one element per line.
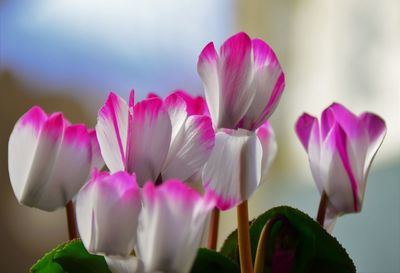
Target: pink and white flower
<point>237,164</point>
<point>171,226</point>
<point>155,139</point>
<point>242,84</point>
<point>340,149</point>
<point>107,210</point>
<point>49,159</point>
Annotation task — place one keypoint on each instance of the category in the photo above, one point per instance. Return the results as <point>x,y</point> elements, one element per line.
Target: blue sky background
<point>98,46</point>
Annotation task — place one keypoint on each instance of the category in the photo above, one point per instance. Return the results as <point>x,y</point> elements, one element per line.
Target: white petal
<point>236,80</point>
<point>149,141</point>
<point>356,139</point>
<point>190,149</point>
<point>171,226</point>
<point>267,139</point>
<point>111,129</point>
<point>22,147</point>
<point>268,85</point>
<point>122,265</point>
<point>233,170</point>
<point>38,178</point>
<point>70,168</point>
<point>176,108</point>
<point>207,68</point>
<point>338,185</point>
<point>376,130</point>
<point>314,157</point>
<point>107,210</point>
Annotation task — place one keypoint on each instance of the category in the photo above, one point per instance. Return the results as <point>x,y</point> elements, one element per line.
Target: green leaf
<point>71,257</point>
<point>213,262</point>
<point>314,249</point>
<point>230,247</point>
<point>75,258</point>
<point>46,263</point>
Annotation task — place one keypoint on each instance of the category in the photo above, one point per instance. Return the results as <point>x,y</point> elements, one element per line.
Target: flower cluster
<point>154,148</point>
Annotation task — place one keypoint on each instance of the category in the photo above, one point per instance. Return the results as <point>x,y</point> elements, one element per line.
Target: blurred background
<point>66,55</point>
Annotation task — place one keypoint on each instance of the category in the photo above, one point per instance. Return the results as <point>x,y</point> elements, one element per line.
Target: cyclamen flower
<point>155,139</point>
<point>340,149</point>
<point>237,164</point>
<point>49,159</point>
<point>242,84</point>
<point>107,210</point>
<point>172,223</point>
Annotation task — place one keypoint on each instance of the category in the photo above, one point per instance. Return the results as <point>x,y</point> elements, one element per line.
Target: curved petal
<point>267,139</point>
<point>340,184</point>
<point>111,129</point>
<point>307,130</point>
<point>190,150</point>
<point>233,171</point>
<point>176,107</point>
<point>22,147</point>
<point>207,67</point>
<point>38,178</point>
<point>236,78</point>
<point>376,129</point>
<point>357,138</point>
<point>107,210</point>
<point>327,122</point>
<point>163,245</point>
<point>70,170</point>
<point>347,120</point>
<point>304,127</point>
<point>269,82</point>
<point>150,140</point>
<point>314,156</point>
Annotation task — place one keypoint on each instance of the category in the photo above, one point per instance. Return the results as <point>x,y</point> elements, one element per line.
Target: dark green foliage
<point>312,248</point>
<point>213,262</point>
<point>70,257</point>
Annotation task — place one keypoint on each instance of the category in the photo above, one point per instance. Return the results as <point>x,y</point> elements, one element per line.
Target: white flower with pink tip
<point>242,85</point>
<point>341,147</point>
<point>49,159</point>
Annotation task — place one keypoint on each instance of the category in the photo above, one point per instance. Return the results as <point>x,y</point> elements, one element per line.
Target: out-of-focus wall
<point>343,51</point>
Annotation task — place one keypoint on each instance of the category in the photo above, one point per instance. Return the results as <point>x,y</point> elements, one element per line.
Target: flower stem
<point>71,221</point>
<point>246,264</point>
<point>323,204</point>
<point>262,242</point>
<point>213,230</point>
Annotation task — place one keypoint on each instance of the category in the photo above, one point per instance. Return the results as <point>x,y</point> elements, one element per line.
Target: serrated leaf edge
<point>56,249</point>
